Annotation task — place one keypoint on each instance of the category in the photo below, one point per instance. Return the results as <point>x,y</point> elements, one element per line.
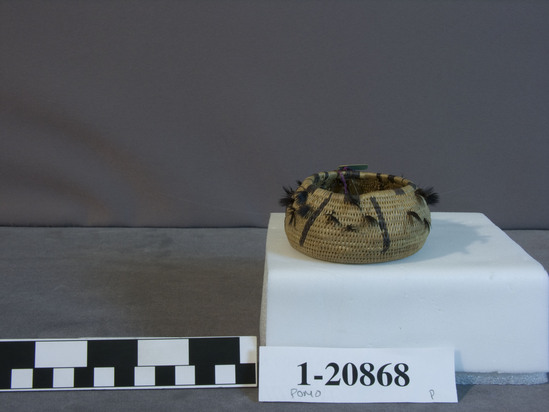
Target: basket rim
<point>407,185</point>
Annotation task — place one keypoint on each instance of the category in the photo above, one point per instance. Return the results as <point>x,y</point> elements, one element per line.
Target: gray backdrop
<point>195,113</point>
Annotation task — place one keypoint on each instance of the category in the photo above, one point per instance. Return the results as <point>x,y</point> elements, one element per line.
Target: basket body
<point>357,217</point>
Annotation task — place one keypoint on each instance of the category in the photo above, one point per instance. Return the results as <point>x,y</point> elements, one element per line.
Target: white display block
<point>470,287</point>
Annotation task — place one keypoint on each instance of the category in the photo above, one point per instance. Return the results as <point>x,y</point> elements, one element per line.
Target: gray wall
<point>195,113</point>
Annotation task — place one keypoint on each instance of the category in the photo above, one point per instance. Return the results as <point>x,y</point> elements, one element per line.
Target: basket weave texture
<point>357,217</point>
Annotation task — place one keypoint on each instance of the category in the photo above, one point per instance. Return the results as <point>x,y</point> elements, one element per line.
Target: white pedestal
<point>470,287</point>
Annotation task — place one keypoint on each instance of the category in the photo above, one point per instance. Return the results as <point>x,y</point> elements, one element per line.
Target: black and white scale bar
<point>128,363</point>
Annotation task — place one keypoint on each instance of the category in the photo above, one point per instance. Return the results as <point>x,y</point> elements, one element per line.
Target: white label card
<point>351,375</point>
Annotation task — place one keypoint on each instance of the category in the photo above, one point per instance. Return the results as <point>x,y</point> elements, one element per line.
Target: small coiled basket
<point>347,216</point>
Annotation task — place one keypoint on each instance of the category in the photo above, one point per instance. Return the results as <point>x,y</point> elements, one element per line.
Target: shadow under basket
<point>357,217</point>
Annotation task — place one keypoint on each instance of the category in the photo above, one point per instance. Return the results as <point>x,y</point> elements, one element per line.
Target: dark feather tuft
<point>352,199</point>
<point>291,211</point>
<point>304,210</point>
<point>311,188</point>
<point>370,220</point>
<point>301,197</point>
<point>350,228</point>
<point>431,198</point>
<point>333,219</point>
<point>414,215</point>
<point>288,199</point>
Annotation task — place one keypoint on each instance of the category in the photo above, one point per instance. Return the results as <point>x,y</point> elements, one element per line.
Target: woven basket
<point>357,217</point>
